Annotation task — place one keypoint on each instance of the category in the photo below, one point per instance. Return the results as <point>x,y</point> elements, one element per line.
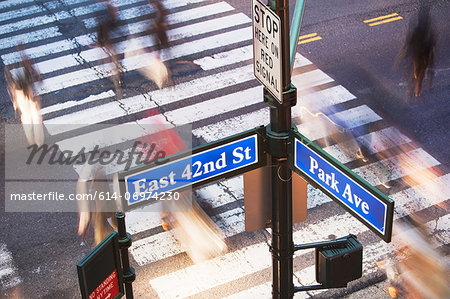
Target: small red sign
<point>108,289</point>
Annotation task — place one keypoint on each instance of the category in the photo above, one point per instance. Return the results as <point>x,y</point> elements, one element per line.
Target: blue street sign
<point>227,157</point>
<point>357,196</point>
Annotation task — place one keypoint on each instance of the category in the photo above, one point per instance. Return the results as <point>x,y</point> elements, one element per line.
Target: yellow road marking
<point>386,21</point>
<point>307,35</point>
<point>380,18</point>
<point>309,40</point>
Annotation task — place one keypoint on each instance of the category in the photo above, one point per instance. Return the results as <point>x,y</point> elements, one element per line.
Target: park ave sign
<point>358,197</point>
<point>267,48</point>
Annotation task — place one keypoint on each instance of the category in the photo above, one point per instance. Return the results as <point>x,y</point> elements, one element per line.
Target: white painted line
<point>26,38</point>
<point>8,272</point>
<point>33,22</point>
<point>10,3</point>
<point>174,18</point>
<point>310,79</point>
<point>155,248</point>
<point>318,100</point>
<point>428,192</point>
<point>225,58</point>
<point>70,104</point>
<point>396,167</point>
<point>218,194</point>
<point>215,106</point>
<point>135,62</point>
<point>320,127</point>
<point>141,10</point>
<point>234,185</point>
<point>112,135</point>
<point>169,4</point>
<point>57,16</point>
<point>214,272</point>
<point>379,142</point>
<point>260,291</point>
<point>68,2</point>
<point>374,142</point>
<point>237,55</point>
<point>206,26</point>
<point>233,125</point>
<point>204,10</point>
<point>91,116</point>
<point>50,48</point>
<point>231,222</point>
<point>18,13</point>
<point>145,9</point>
<point>261,117</point>
<point>139,220</point>
<point>300,61</point>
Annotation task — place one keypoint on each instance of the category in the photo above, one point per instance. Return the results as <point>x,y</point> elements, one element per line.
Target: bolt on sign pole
<point>277,133</point>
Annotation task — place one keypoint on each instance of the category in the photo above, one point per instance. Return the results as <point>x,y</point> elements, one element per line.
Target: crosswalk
<point>9,276</point>
<point>219,99</point>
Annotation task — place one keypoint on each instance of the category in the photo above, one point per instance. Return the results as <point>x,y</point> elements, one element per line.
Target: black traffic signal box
<point>336,265</point>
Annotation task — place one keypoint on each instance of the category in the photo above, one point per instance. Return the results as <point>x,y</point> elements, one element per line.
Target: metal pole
<point>278,136</point>
<point>124,243</point>
<point>295,29</point>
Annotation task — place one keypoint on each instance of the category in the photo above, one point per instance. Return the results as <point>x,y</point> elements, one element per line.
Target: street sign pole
<point>124,243</point>
<point>278,137</point>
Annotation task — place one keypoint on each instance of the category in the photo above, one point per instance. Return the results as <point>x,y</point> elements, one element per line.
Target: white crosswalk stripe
<point>9,277</point>
<point>217,39</point>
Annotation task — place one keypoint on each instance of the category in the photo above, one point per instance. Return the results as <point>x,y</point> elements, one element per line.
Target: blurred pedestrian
<point>159,27</point>
<point>420,46</point>
<point>20,79</point>
<point>160,24</point>
<point>107,24</point>
<point>99,212</point>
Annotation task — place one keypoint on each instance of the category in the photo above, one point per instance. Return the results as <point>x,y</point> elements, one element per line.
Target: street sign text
<point>267,48</point>
<point>100,272</point>
<point>230,156</point>
<point>365,202</point>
